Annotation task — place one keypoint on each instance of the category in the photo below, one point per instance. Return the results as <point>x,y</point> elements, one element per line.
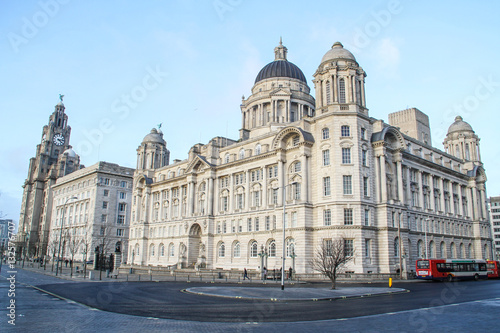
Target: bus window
<point>423,264</point>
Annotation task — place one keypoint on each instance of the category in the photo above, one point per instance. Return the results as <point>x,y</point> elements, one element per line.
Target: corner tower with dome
<point>54,158</point>
<point>321,168</point>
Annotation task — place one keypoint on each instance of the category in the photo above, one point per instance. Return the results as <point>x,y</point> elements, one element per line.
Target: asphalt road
<point>167,300</point>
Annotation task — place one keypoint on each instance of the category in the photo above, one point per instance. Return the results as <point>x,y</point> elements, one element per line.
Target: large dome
<point>338,52</point>
<point>154,137</point>
<point>459,126</point>
<point>280,68</point>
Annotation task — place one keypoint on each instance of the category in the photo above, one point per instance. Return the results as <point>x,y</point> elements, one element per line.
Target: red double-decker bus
<point>493,269</point>
<point>451,269</point>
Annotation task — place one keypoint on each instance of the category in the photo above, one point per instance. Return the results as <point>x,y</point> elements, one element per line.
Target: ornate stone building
<point>54,158</point>
<point>96,201</point>
<point>321,166</point>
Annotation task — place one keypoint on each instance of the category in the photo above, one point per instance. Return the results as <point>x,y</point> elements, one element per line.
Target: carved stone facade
<point>337,171</point>
<point>54,158</point>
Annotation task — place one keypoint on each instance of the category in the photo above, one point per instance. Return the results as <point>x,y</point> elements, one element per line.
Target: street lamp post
<point>426,244</point>
<point>60,234</point>
<point>284,236</point>
<point>262,255</point>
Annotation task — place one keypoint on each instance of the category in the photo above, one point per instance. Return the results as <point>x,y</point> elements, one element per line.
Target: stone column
<point>362,83</point>
<point>377,179</point>
<point>442,203</point>
<point>452,198</point>
<point>383,179</point>
<point>408,186</point>
<point>399,168</point>
<point>305,178</point>
<point>335,88</point>
<point>210,197</point>
<point>420,190</point>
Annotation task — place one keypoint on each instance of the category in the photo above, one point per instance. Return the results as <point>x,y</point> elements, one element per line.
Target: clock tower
<point>54,158</point>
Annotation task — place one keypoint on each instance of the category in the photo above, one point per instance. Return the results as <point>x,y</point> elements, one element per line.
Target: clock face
<point>58,139</point>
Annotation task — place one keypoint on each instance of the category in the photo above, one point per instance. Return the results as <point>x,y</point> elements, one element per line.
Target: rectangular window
<point>273,171</point>
<point>268,223</point>
<point>364,154</point>
<point>363,133</point>
<point>256,198</point>
<point>239,201</point>
<point>326,186</point>
<point>104,218</point>
<point>123,195</point>
<point>347,181</point>
<point>105,205</point>
<point>367,217</point>
<point>326,157</point>
<point>119,232</point>
<point>224,227</point>
<point>106,181</point>
<point>368,248</point>
<point>328,245</point>
<point>346,155</point>
<point>224,204</point>
<point>233,227</point>
<point>345,130</point>
<point>294,219</point>
<point>348,219</point>
<point>106,193</point>
<point>240,226</point>
<point>121,207</point>
<point>256,224</point>
<point>275,196</point>
<point>103,230</point>
<point>327,217</point>
<point>348,247</point>
<point>296,191</point>
<point>365,187</point>
<point>121,219</point>
<point>249,225</point>
<point>123,184</point>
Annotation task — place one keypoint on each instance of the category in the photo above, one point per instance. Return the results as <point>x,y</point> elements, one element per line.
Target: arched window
<point>253,249</point>
<point>469,251</point>
<point>453,251</point>
<point>222,250</point>
<point>237,250</point>
<point>442,250</point>
<point>171,251</point>
<point>272,249</point>
<point>152,250</point>
<point>226,158</point>
<point>325,133</point>
<point>297,167</point>
<point>241,154</point>
<point>420,249</point>
<point>341,91</point>
<point>461,251</point>
<point>258,149</point>
<point>432,253</point>
<point>162,250</point>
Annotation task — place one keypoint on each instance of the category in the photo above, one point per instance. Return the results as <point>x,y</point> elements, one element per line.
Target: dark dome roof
<point>281,68</point>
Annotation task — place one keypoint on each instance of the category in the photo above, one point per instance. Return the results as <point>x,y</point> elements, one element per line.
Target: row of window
<point>345,131</point>
<point>121,195</point>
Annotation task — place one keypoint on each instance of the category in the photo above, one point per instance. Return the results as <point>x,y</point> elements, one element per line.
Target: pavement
<point>292,294</point>
<point>39,312</point>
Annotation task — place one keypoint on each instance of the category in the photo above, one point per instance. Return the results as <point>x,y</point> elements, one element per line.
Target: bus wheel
<point>449,278</point>
<point>476,277</point>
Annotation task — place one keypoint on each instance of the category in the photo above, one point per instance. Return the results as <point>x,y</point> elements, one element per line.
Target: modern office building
<point>495,224</point>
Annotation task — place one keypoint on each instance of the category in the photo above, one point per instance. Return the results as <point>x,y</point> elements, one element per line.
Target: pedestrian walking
<point>245,274</point>
<point>264,271</point>
<point>290,271</point>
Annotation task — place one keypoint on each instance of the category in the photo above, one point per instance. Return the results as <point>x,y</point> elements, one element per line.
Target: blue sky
<point>126,66</point>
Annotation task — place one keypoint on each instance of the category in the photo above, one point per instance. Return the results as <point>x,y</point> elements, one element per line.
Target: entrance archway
<point>194,240</point>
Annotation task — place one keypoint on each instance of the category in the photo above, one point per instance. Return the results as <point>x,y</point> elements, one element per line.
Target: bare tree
<point>86,246</point>
<point>104,241</point>
<point>73,243</point>
<point>332,256</point>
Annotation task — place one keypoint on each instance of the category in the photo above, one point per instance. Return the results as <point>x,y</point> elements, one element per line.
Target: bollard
<point>390,282</point>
